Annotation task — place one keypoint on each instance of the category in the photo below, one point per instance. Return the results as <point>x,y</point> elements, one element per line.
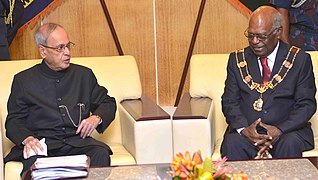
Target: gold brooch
<point>248,78</point>
<point>278,78</point>
<point>242,64</point>
<point>287,64</point>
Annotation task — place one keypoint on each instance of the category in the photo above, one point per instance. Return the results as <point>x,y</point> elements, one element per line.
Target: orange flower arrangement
<point>186,168</point>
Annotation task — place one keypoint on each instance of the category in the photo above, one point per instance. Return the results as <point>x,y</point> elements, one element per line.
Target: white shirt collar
<point>271,58</point>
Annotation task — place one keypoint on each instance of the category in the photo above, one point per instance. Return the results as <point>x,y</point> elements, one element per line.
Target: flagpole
<point>112,28</point>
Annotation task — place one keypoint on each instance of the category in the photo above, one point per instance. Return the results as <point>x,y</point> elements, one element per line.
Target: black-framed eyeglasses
<point>61,47</point>
<point>260,37</point>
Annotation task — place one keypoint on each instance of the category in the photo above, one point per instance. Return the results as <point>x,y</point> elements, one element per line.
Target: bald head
<point>42,33</point>
<point>266,16</point>
<point>264,30</point>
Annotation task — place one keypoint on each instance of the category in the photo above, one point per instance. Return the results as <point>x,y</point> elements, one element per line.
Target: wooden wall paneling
<point>175,24</point>
<point>189,53</point>
<point>112,28</point>
<point>134,23</point>
<point>221,31</point>
<point>87,27</point>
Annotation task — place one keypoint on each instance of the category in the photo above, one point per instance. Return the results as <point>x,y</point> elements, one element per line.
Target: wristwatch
<point>100,119</point>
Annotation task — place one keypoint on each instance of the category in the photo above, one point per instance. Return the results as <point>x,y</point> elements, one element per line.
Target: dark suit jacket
<point>288,106</point>
<point>34,107</point>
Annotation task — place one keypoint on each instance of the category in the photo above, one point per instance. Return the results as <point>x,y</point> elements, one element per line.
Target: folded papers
<point>32,153</point>
<point>60,167</point>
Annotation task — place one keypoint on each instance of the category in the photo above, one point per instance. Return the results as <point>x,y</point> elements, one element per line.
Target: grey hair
<point>277,20</point>
<point>43,32</point>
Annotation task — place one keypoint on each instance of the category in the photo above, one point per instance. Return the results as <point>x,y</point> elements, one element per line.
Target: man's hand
<point>272,131</point>
<point>263,150</point>
<point>253,136</point>
<point>31,143</point>
<point>274,134</point>
<point>87,126</point>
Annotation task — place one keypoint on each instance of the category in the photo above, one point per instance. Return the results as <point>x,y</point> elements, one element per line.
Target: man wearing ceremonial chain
<point>269,94</point>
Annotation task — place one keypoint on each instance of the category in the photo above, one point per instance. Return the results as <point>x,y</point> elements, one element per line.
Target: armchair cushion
<point>207,77</point>
<point>201,71</point>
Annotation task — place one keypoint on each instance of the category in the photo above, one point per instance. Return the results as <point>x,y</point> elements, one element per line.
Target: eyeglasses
<point>260,37</point>
<point>61,47</point>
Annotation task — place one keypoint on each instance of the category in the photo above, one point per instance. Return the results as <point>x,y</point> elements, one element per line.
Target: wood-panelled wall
<point>156,32</point>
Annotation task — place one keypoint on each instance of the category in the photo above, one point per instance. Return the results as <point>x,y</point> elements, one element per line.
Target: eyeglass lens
<point>261,37</point>
<point>62,46</point>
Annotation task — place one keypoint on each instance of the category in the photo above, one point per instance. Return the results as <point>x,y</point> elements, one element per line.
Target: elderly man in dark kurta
<point>269,94</point>
<point>59,101</point>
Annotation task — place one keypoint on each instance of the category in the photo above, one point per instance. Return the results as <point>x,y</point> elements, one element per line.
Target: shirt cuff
<point>239,130</point>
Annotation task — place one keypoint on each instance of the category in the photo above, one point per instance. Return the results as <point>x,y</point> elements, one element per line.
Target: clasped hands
<point>264,142</point>
<point>85,129</point>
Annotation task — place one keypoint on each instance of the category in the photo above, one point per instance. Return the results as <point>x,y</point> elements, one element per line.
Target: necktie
<point>266,70</point>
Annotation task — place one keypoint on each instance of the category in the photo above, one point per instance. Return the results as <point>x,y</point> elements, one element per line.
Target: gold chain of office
<point>277,78</point>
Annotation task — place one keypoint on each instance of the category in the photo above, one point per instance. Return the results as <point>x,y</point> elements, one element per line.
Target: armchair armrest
<point>146,131</point>
<point>192,108</point>
<point>192,125</point>
<point>144,109</point>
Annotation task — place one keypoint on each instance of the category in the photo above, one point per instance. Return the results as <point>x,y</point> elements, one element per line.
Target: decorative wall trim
<point>190,51</point>
<point>241,7</point>
<point>111,27</point>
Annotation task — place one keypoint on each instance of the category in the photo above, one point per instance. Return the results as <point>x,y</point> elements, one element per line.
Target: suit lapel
<point>280,57</point>
<point>253,66</point>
